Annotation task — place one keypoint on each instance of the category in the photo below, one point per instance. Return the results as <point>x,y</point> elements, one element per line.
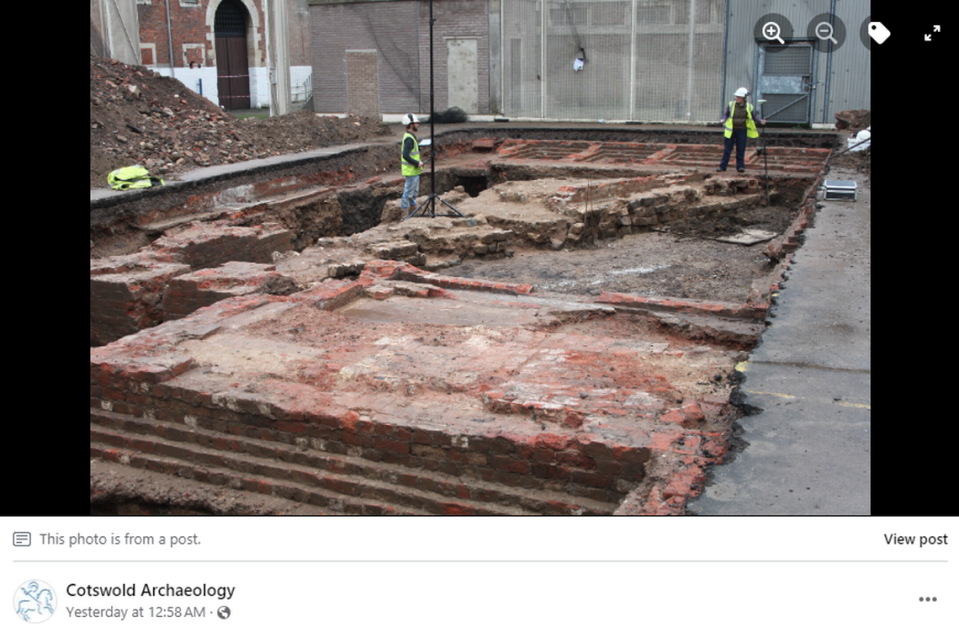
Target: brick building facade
<point>225,35</point>
<point>192,28</point>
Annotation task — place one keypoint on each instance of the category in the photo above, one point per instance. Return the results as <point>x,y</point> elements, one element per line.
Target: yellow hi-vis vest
<point>132,177</point>
<point>407,169</point>
<point>750,124</point>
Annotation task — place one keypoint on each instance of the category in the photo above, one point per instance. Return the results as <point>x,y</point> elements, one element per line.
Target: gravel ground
<point>138,117</point>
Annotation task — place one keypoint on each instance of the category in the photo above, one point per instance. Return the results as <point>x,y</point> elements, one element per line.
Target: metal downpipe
<point>169,34</point>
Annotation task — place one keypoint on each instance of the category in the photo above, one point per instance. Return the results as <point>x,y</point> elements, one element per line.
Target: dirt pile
<point>140,117</point>
<point>853,120</point>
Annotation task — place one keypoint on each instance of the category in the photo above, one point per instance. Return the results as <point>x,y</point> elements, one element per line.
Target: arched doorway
<point>232,60</point>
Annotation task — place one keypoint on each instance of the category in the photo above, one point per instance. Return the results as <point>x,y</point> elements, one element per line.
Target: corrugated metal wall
<point>662,60</point>
<point>845,77</point>
<point>644,60</point>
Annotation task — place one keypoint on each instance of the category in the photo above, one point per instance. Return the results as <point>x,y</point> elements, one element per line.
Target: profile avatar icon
<point>35,601</point>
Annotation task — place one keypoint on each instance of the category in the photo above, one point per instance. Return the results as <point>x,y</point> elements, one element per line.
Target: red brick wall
<point>126,293</point>
<point>189,26</point>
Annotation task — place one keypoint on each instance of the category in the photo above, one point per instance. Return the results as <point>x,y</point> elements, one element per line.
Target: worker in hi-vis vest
<point>740,122</point>
<point>411,164</point>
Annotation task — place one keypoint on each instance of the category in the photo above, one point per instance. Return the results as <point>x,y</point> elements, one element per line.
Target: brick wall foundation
<point>128,293</point>
<point>189,292</point>
<point>209,245</point>
<point>153,408</point>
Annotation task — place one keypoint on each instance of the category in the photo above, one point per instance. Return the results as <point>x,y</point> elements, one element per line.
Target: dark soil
<point>861,161</point>
<point>138,117</point>
<point>853,121</point>
<point>774,218</point>
<point>648,264</point>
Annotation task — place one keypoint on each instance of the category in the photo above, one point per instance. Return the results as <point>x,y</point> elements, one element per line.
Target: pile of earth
<point>138,117</point>
<point>853,121</point>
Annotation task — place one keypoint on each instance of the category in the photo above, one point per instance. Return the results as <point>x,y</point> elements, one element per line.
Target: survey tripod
<point>428,207</point>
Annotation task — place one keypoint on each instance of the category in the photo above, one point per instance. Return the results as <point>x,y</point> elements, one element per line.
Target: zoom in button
<point>774,30</point>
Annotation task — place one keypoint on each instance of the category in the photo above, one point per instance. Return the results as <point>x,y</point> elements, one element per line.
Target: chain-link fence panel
<point>392,28</point>
<point>648,60</point>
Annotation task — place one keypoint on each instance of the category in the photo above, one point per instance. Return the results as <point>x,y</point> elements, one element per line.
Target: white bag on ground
<point>862,138</point>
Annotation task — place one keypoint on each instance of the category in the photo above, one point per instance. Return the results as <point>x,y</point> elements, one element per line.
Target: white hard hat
<point>409,118</point>
<point>742,92</point>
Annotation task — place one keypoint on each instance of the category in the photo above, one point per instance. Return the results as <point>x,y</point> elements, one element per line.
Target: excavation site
<point>557,332</point>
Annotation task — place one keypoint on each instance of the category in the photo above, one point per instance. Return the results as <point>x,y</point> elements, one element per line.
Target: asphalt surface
<point>807,451</point>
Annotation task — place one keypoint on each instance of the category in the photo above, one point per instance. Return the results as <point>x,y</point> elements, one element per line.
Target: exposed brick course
<point>189,292</point>
<point>129,293</point>
<point>514,421</point>
<point>197,420</point>
<point>126,294</point>
<point>209,245</point>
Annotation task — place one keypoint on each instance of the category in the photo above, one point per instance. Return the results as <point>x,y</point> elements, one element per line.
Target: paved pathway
<point>808,450</point>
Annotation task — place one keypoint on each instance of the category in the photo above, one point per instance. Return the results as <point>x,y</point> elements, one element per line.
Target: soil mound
<point>140,117</point>
<point>853,120</point>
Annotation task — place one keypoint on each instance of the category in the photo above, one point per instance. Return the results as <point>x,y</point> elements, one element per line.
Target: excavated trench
<point>123,223</point>
<point>568,344</point>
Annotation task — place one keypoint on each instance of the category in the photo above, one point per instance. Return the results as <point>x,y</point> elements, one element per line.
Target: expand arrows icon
<point>935,29</point>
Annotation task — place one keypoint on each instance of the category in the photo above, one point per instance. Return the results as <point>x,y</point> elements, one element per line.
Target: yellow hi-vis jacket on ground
<point>750,123</point>
<point>407,169</point>
<point>132,177</point>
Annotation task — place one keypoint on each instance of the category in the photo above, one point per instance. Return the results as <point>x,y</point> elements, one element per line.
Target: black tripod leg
<point>431,200</point>
<point>417,210</point>
<point>452,208</point>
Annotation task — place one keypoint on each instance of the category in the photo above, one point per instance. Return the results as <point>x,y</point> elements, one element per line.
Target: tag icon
<point>878,32</point>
